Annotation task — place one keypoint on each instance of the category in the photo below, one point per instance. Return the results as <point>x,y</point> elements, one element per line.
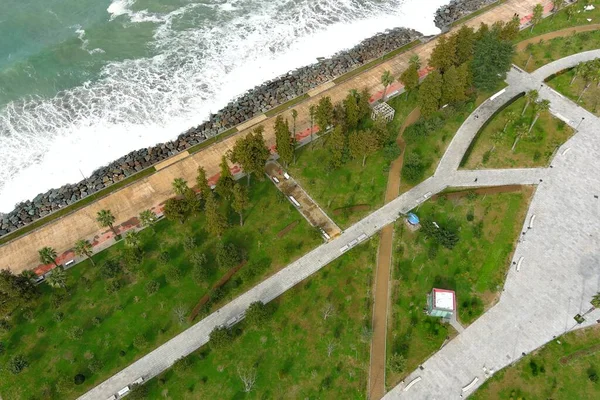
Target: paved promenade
<point>559,271</point>
<point>149,192</point>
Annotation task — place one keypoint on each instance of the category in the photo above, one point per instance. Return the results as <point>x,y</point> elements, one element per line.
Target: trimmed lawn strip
<point>114,338</point>
<point>542,375</point>
<point>590,99</point>
<point>290,350</point>
<point>492,147</point>
<point>542,53</point>
<point>351,184</point>
<point>488,227</point>
<point>274,111</point>
<point>561,20</point>
<point>76,206</point>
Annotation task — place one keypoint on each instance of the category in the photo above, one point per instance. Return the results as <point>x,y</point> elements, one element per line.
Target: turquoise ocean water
<point>83,82</point>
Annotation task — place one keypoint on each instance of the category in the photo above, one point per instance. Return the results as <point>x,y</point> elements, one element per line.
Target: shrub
<point>478,229</point>
<point>189,243</point>
<point>112,286</point>
<point>182,364</point>
<point>79,379</point>
<point>4,326</point>
<point>220,337</point>
<point>140,342</point>
<point>446,236</point>
<point>152,287</point>
<point>75,333</point>
<point>257,313</point>
<point>57,298</point>
<point>58,316</point>
<point>95,366</point>
<point>17,364</point>
<point>397,363</point>
<point>41,329</point>
<point>228,255</point>
<point>470,216</point>
<point>138,392</point>
<point>110,269</point>
<point>2,348</point>
<point>96,321</point>
<point>414,167</point>
<point>592,374</point>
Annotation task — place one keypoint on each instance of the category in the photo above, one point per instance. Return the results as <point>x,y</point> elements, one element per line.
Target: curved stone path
<point>559,249</point>
<point>566,190</point>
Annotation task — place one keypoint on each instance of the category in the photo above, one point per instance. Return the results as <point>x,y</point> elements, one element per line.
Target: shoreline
<point>263,98</point>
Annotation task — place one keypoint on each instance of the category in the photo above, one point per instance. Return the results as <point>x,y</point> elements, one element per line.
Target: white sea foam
<point>45,143</point>
<point>84,42</point>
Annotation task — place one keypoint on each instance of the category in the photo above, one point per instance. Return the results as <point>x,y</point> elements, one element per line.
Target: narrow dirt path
<point>551,35</point>
<point>382,275</point>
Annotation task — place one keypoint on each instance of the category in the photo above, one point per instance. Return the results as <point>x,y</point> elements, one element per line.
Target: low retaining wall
<point>456,9</point>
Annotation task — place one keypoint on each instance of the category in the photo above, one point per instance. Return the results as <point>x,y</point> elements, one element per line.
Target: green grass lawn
<point>539,54</point>
<point>488,226</point>
<point>131,322</point>
<point>590,99</point>
<point>565,369</point>
<point>352,184</point>
<point>561,21</point>
<point>492,147</point>
<point>290,351</point>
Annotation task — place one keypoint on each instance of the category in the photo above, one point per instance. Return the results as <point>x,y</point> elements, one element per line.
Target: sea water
<point>83,82</point>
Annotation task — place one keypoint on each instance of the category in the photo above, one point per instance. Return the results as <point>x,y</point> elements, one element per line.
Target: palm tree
<point>84,248</point>
<point>570,13</point>
<point>589,75</point>
<point>147,219</point>
<point>106,219</point>
<point>133,240</point>
<point>510,117</point>
<point>538,15</point>
<point>579,70</point>
<point>496,138</point>
<point>416,61</point>
<point>520,131</point>
<point>596,300</point>
<point>48,255</point>
<point>312,110</point>
<point>180,186</point>
<point>539,107</point>
<point>531,97</point>
<point>58,277</point>
<point>386,80</point>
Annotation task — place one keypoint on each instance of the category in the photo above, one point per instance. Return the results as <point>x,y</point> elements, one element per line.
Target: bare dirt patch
<point>288,228</point>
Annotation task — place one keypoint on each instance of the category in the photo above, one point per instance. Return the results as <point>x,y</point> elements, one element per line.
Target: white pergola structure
<point>383,110</point>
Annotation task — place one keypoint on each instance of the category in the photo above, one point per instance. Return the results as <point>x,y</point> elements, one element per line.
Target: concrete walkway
<point>559,245</point>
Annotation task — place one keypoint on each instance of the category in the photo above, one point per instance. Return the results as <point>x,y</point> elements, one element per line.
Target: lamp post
<point>582,118</point>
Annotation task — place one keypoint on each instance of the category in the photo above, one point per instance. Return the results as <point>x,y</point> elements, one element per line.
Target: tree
<point>510,31</point>
<point>410,79</point>
<point>248,377</point>
<point>397,363</point>
<point>328,311</point>
<point>520,131</point>
<point>362,144</point>
<point>556,6</point>
<point>454,86</point>
<point>509,118</point>
<point>312,110</point>
<point>138,392</point>
<point>215,220</point>
<point>443,55</point>
<point>106,219</point>
<point>180,186</point>
<point>133,240</point>
<point>415,61</point>
<point>176,210</point>
<point>220,337</point>
<point>257,313</point>
<point>252,153</point>
<point>294,117</point>
<point>330,347</point>
<point>148,219</point>
<point>202,182</point>
<point>241,200</point>
<point>491,60</point>
<point>570,13</point>
<point>228,255</point>
<point>57,278</point>
<point>530,97</point>
<point>430,94</point>
<point>324,114</point>
<point>283,140</point>
<point>540,107</point>
<point>538,15</point>
<point>590,73</point>
<point>386,80</point>
<point>337,145</point>
<point>84,248</point>
<point>351,110</point>
<point>225,182</point>
<point>180,312</point>
<point>48,255</point>
<point>465,42</point>
<point>15,290</point>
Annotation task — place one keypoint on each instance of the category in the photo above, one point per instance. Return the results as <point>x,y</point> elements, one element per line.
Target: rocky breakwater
<point>254,102</point>
<point>456,9</point>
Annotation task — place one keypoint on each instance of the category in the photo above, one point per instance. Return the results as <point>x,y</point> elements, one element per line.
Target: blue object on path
<point>413,219</point>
